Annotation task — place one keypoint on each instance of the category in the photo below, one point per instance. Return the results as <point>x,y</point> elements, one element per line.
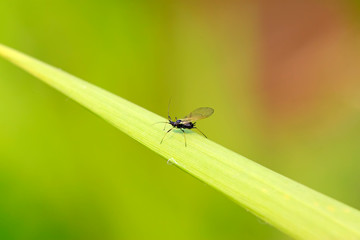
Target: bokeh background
<point>282,76</point>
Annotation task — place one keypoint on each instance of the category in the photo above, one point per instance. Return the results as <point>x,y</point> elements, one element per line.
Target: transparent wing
<point>197,114</point>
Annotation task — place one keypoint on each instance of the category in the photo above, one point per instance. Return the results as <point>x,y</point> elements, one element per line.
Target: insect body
<point>188,122</point>
<point>182,125</point>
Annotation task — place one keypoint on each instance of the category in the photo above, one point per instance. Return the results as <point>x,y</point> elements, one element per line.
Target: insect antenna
<point>169,118</point>
<point>169,109</point>
<point>200,132</point>
<point>159,122</point>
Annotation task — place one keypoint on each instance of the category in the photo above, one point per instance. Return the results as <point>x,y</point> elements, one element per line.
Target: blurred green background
<point>283,78</point>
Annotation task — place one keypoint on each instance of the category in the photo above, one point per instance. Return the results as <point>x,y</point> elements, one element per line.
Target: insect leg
<point>184,135</point>
<point>200,131</point>
<point>165,135</point>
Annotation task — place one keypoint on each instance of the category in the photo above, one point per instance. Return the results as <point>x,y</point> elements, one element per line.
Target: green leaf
<point>287,205</point>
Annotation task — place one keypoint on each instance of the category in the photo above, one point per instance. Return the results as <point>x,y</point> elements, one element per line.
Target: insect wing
<point>197,114</point>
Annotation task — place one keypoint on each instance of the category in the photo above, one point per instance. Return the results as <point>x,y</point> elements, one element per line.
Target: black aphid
<point>188,122</point>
